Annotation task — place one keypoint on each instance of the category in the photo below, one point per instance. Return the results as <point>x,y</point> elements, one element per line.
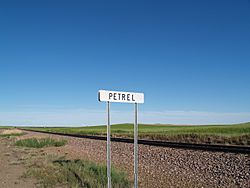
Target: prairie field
<point>236,134</point>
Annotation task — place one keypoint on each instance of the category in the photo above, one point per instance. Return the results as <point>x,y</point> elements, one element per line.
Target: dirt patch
<point>12,167</point>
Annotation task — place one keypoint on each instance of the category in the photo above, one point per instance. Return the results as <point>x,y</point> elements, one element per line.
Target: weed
<point>75,173</point>
<point>11,135</point>
<point>40,143</point>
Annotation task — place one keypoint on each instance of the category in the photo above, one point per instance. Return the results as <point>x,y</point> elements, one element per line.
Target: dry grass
<point>196,138</point>
<point>11,132</point>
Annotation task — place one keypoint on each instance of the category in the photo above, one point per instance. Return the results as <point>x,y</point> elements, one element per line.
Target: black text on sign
<point>120,96</point>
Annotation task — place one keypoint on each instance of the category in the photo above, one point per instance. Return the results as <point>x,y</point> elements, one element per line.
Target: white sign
<point>120,96</point>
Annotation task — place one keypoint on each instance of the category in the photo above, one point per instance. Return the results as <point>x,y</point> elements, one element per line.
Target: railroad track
<point>204,147</point>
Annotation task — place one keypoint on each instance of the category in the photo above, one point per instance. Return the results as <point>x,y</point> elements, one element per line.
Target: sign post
<point>108,146</point>
<point>123,97</point>
<point>136,148</point>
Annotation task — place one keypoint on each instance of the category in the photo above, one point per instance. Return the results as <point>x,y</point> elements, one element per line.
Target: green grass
<point>40,143</point>
<point>227,134</point>
<point>6,127</point>
<point>11,135</point>
<point>75,174</point>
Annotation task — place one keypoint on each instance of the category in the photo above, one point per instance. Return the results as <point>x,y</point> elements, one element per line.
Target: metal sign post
<point>123,97</point>
<point>108,146</point>
<point>136,148</point>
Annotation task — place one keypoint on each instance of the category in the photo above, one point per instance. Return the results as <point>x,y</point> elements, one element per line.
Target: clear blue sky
<point>189,57</point>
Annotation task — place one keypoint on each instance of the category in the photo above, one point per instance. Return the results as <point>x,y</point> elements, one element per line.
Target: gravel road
<point>164,167</point>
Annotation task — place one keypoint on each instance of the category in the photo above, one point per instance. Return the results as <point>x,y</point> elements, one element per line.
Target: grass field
<point>238,134</point>
<point>6,127</point>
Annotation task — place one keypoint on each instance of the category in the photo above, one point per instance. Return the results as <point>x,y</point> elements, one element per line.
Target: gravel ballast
<point>164,167</point>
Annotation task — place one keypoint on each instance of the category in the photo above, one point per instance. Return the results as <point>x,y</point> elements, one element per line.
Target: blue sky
<point>190,58</point>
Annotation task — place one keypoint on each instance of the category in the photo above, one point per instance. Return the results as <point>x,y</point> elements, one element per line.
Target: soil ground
<point>12,168</point>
